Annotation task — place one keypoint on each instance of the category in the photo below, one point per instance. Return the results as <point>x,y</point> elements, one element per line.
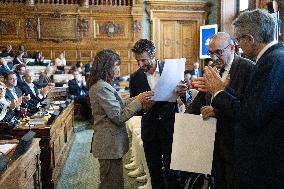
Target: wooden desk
<point>24,173</point>
<point>55,143</point>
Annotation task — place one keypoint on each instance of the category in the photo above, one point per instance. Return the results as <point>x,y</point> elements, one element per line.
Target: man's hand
<point>207,111</point>
<point>26,98</point>
<point>211,82</point>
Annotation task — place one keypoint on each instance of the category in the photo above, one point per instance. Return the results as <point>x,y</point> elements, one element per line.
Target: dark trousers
<point>111,174</point>
<point>223,172</point>
<point>158,151</point>
<point>86,110</point>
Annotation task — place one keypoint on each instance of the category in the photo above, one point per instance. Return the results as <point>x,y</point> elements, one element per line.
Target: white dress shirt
<point>265,49</point>
<point>153,78</point>
<point>13,91</point>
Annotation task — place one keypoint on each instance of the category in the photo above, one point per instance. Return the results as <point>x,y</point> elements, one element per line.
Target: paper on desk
<point>173,73</point>
<point>7,148</point>
<point>193,143</point>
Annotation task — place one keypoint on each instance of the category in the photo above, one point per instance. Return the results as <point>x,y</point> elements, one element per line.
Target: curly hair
<point>102,68</point>
<point>144,45</point>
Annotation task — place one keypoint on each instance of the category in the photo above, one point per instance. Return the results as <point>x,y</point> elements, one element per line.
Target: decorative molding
<point>111,29</point>
<point>57,14</point>
<point>58,29</point>
<point>3,27</point>
<point>8,27</point>
<point>175,5</point>
<point>83,27</point>
<point>137,26</point>
<point>31,27</point>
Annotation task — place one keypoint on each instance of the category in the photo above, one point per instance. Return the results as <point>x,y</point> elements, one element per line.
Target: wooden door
<point>178,39</point>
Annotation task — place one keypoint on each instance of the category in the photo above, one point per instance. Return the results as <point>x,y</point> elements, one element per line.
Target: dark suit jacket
<point>259,123</point>
<point>20,81</point>
<point>5,54</point>
<point>75,90</point>
<point>32,103</point>
<point>164,111</point>
<point>240,72</point>
<point>9,95</point>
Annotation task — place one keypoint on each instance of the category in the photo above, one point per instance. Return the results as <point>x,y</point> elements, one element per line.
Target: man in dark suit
<point>4,66</point>
<point>20,71</point>
<point>258,113</point>
<point>7,52</point>
<point>196,71</point>
<point>36,96</point>
<point>14,93</point>
<point>79,92</point>
<point>157,125</point>
<point>222,51</point>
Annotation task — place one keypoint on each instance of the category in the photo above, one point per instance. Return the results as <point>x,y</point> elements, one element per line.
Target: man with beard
<point>157,125</point>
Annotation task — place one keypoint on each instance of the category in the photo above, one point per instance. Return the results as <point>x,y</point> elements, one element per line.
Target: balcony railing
<point>72,2</point>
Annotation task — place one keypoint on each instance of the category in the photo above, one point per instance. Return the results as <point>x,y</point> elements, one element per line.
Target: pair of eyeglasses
<point>217,52</point>
<point>237,39</point>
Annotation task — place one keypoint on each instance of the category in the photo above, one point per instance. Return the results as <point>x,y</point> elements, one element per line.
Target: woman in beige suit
<point>110,141</point>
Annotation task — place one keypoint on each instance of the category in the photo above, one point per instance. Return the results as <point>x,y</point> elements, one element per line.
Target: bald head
<point>221,49</point>
<point>221,40</point>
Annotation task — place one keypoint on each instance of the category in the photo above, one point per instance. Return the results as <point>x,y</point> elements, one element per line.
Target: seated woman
<point>7,113</point>
<point>110,112</point>
<point>19,58</point>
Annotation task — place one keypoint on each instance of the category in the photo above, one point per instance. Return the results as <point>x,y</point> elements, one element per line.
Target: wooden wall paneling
<point>175,28</point>
<point>9,27</point>
<point>79,32</point>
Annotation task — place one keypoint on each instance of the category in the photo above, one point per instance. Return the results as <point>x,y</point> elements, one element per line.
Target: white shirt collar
<point>31,85</point>
<point>265,49</point>
<point>229,64</point>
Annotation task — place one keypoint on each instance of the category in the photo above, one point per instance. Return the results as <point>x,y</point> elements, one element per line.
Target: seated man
<point>7,113</point>
<point>13,93</point>
<point>7,52</point>
<point>79,92</point>
<point>37,96</point>
<point>20,71</point>
<point>4,66</point>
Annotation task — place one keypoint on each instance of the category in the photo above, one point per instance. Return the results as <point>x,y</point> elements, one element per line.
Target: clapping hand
<point>211,82</point>
<point>145,99</point>
<point>16,103</point>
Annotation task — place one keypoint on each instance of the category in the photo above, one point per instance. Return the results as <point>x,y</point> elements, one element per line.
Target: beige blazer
<point>110,113</point>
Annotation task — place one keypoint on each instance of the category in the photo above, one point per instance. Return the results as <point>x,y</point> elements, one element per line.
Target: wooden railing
<point>72,2</point>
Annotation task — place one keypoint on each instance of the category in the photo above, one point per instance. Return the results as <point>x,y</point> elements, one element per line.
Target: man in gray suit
<point>236,71</point>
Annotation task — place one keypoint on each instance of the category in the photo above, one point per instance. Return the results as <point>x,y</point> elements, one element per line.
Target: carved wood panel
<point>58,29</point>
<point>9,27</point>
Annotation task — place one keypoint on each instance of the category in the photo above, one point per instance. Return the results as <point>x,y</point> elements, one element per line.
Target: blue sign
<point>206,32</point>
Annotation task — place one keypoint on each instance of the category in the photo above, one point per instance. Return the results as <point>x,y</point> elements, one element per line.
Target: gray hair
<point>223,35</point>
<point>257,23</point>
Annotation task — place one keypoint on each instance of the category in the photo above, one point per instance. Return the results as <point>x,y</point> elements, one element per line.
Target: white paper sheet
<point>172,74</point>
<point>193,143</point>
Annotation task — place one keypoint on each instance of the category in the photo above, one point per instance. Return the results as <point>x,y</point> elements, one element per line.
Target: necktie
<point>222,70</point>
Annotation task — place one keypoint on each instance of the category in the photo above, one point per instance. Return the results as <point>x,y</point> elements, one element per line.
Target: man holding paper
<point>157,125</point>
